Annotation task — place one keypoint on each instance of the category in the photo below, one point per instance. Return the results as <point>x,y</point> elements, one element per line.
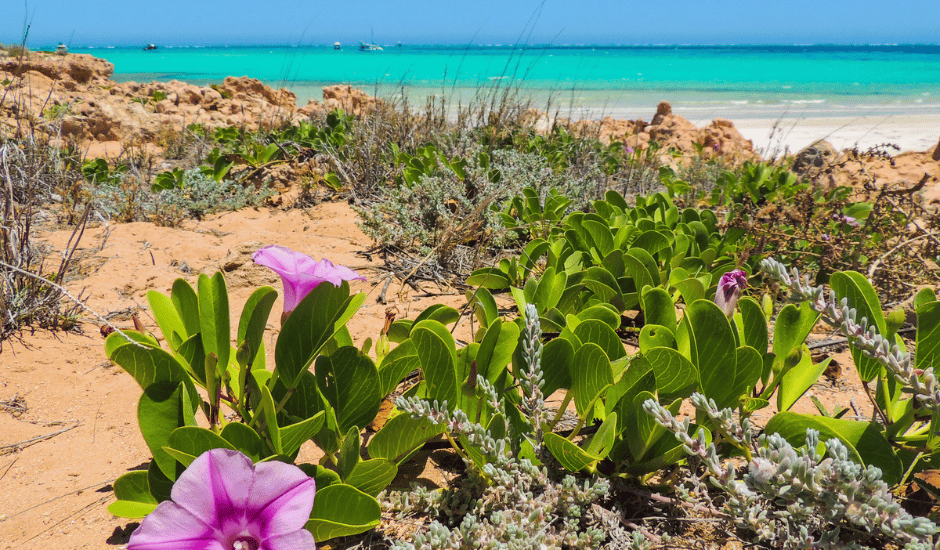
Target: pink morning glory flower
<point>225,502</point>
<point>729,290</point>
<point>301,273</point>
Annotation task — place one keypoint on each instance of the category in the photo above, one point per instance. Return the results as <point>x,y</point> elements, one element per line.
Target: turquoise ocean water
<point>701,82</point>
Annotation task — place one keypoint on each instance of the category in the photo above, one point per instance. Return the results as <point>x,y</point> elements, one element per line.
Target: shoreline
<point>788,125</point>
<point>773,125</point>
<point>913,133</point>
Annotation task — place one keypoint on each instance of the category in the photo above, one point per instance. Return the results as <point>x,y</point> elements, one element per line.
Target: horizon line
<point>122,44</point>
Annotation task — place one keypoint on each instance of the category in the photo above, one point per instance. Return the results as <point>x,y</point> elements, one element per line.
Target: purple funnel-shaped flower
<point>847,220</point>
<point>729,290</point>
<point>301,273</point>
<point>224,502</point>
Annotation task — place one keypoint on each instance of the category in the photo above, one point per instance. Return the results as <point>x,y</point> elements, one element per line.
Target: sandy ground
<point>68,421</point>
<point>68,424</point>
<point>910,133</point>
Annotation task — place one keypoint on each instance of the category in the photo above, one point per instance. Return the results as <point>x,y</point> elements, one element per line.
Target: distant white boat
<point>363,47</point>
<point>337,46</point>
<point>150,47</point>
<point>62,49</point>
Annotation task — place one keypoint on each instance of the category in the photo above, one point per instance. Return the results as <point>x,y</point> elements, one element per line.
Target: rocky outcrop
<point>73,96</point>
<point>79,68</point>
<point>349,99</point>
<point>670,131</point>
<point>813,159</point>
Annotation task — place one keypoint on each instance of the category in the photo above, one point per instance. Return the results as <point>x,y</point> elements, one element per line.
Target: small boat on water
<point>337,46</point>
<point>363,47</point>
<point>62,49</point>
<point>150,47</point>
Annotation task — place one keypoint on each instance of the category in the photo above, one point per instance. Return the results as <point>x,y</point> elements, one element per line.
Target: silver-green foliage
<point>796,498</point>
<point>442,206</point>
<point>510,503</point>
<point>198,195</point>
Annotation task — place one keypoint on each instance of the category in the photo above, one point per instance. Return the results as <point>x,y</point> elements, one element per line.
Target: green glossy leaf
<point>691,290</point>
<point>160,485</point>
<point>400,362</point>
<point>484,305</point>
<point>214,317</point>
<point>652,241</point>
<point>192,353</point>
<point>314,321</point>
<point>656,336</point>
<point>642,267</point>
<point>641,431</point>
<point>490,277</point>
<point>268,421</point>
<point>187,305</point>
<point>341,510</point>
<point>551,286</point>
<point>149,365</point>
<point>748,368</point>
<point>659,309</point>
<point>115,340</point>
<point>861,296</point>
<point>350,383</point>
<point>295,435</point>
<point>613,263</point>
<point>306,401</point>
<point>792,327</point>
<point>496,349</point>
<point>254,318</point>
<point>243,438</point>
<point>751,404</point>
<point>444,315</point>
<point>864,441</point>
<point>193,441</point>
<point>131,509</point>
<point>133,494</point>
<point>599,281</point>
<point>323,477</point>
<point>799,379</point>
<point>603,441</point>
<point>601,312</point>
<point>438,362</point>
<point>600,235</point>
<point>556,365</point>
<point>924,296</point>
<point>712,349</point>
<point>348,453</point>
<point>372,476</point>
<point>166,315</point>
<point>753,328</point>
<point>675,374</point>
<point>591,374</point>
<point>400,436</point>
<point>599,333</point>
<point>161,410</point>
<point>569,455</point>
<point>133,486</point>
<point>927,353</point>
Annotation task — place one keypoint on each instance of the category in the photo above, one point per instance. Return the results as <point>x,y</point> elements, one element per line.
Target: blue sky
<point>130,22</point>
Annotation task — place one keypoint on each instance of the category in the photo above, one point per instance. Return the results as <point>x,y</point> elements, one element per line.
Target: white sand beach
<point>909,132</point>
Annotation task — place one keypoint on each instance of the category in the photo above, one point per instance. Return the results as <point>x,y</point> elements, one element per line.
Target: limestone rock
<point>663,110</point>
<point>352,100</point>
<point>814,158</point>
